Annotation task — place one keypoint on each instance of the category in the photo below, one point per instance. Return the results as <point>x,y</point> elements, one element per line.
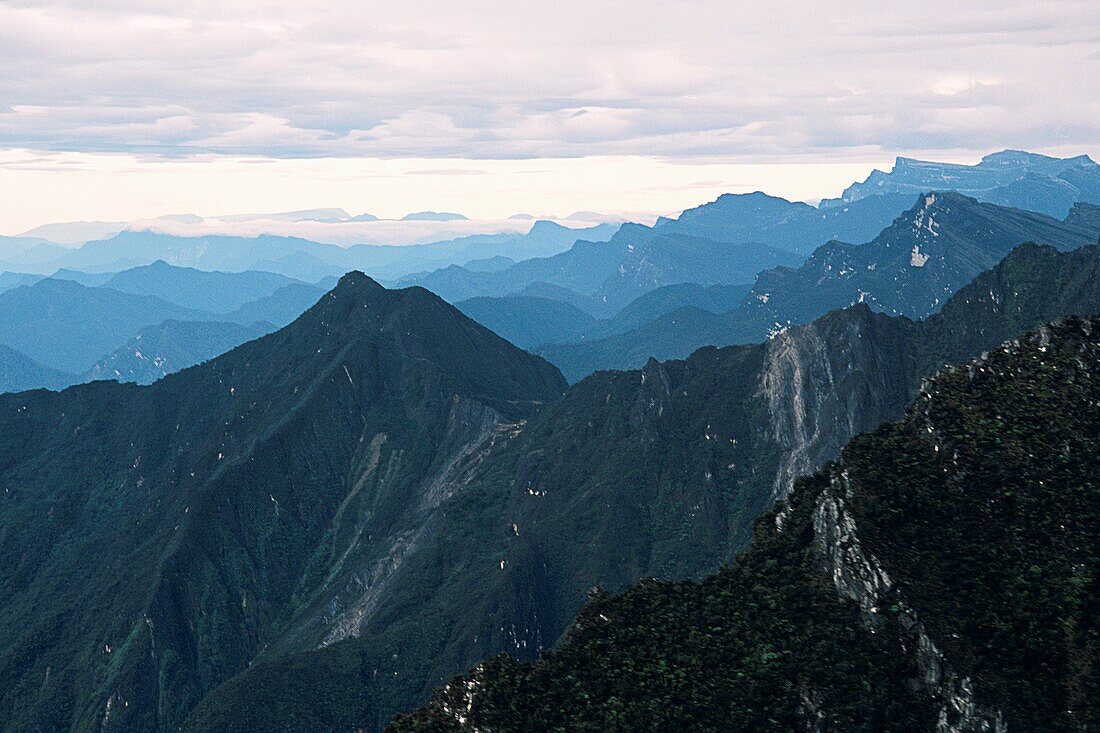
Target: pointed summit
<point>280,474</point>
<point>356,279</point>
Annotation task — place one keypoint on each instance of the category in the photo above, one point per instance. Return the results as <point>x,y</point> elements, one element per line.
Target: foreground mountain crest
<point>890,594</point>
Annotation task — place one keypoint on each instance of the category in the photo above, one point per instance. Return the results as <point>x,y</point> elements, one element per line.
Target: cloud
<point>481,80</point>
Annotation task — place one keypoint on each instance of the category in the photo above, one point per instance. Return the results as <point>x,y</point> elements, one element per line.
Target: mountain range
<point>241,490</point>
<point>942,242</point>
<point>137,324</point>
<point>538,321</point>
<point>381,472</point>
<point>659,472</point>
<point>609,275</point>
<point>793,226</point>
<point>1011,178</point>
<point>292,256</point>
<point>941,575</point>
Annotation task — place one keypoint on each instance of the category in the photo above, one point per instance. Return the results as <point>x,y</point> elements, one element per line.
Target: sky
<point>125,109</point>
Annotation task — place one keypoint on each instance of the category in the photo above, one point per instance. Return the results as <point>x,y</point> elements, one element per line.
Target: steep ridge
<point>658,472</point>
<point>941,576</point>
<point>167,535</point>
<point>911,268</point>
<point>792,226</point>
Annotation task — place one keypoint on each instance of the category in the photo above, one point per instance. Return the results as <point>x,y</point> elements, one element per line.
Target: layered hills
<point>940,576</point>
<point>911,268</point>
<point>1009,178</point>
<point>658,472</point>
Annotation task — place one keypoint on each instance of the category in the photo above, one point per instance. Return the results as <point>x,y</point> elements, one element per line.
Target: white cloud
<point>128,109</point>
<point>490,80</point>
<point>49,187</point>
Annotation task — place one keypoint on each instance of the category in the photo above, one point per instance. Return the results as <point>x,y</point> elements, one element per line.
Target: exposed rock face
<point>938,577</point>
<point>469,428</point>
<point>826,382</point>
<point>657,472</point>
<point>859,576</point>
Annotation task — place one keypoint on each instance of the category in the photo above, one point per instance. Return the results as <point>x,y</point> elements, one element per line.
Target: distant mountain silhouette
<point>1009,178</point>
<point>636,260</point>
<point>909,269</point>
<point>18,372</point>
<point>433,216</point>
<point>215,292</point>
<point>66,326</point>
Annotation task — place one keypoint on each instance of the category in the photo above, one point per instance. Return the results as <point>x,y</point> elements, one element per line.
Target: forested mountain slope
<point>940,576</point>
<point>165,536</point>
<point>658,472</point>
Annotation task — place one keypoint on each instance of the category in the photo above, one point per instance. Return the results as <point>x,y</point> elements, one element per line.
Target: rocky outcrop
<point>858,576</point>
<point>825,382</point>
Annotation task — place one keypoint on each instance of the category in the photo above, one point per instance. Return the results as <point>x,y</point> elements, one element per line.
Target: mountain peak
<point>354,280</point>
<point>434,216</point>
<point>545,226</point>
<point>1011,157</point>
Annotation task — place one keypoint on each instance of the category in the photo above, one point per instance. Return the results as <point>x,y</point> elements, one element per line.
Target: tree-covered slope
<point>66,326</point>
<point>19,372</point>
<point>940,576</point>
<point>157,351</point>
<point>658,472</point>
<point>164,537</point>
<point>280,307</point>
<point>528,321</point>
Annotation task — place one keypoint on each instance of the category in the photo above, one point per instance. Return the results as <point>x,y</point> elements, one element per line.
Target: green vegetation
<point>659,472</point>
<point>317,529</point>
<point>982,505</point>
<point>164,537</point>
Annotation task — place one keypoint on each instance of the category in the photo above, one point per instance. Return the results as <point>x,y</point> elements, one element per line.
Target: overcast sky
<point>709,88</point>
